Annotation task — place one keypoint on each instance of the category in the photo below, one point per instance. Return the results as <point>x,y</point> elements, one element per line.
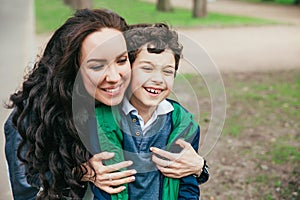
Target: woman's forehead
<point>105,44</point>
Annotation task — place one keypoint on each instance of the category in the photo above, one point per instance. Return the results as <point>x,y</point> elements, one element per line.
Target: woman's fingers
<point>183,144</point>
<point>116,176</point>
<point>118,182</point>
<point>172,156</point>
<point>102,156</point>
<point>177,165</point>
<point>171,172</point>
<point>119,175</point>
<point>111,190</point>
<point>97,163</point>
<point>164,154</point>
<point>117,166</point>
<point>161,162</point>
<point>112,182</point>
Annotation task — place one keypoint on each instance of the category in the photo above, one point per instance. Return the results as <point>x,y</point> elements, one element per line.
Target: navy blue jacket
<point>20,188</point>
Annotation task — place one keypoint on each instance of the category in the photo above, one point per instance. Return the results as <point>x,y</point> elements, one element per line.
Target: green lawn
<point>261,129</point>
<point>50,16</point>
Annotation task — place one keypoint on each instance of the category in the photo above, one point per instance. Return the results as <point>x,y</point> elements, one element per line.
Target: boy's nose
<point>157,77</point>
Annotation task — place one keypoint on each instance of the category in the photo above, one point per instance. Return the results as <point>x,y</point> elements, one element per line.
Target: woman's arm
<point>21,189</point>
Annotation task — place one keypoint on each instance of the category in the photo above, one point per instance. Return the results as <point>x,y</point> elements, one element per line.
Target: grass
<point>49,16</point>
<point>252,103</point>
<point>260,140</point>
<point>284,153</point>
<point>146,12</point>
<point>274,100</point>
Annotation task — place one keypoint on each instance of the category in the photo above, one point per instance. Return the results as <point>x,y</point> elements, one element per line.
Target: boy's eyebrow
<point>149,62</point>
<point>146,61</point>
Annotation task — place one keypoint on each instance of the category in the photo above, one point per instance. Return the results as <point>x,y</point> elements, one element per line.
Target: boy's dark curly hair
<point>43,114</point>
<point>158,37</point>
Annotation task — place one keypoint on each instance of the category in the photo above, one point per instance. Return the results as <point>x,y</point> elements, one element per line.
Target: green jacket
<point>111,140</point>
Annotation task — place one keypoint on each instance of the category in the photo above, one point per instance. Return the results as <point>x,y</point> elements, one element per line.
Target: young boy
<point>147,119</point>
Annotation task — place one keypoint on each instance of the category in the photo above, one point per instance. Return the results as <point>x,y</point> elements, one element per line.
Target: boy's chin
<point>151,103</point>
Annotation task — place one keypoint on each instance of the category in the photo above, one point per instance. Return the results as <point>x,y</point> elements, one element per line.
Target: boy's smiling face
<point>152,78</point>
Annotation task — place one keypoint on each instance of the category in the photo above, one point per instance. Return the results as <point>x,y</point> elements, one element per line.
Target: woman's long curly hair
<point>43,107</point>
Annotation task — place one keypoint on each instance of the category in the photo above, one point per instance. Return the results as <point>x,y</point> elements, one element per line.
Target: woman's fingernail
<point>129,162</point>
<point>123,188</point>
<point>133,171</point>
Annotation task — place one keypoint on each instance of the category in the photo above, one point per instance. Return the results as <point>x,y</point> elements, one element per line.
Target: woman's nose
<point>113,74</point>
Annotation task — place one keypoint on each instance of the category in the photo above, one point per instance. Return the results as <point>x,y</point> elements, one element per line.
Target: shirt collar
<point>163,107</point>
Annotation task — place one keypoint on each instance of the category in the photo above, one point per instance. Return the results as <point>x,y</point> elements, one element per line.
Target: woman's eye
<point>97,67</point>
<point>122,60</point>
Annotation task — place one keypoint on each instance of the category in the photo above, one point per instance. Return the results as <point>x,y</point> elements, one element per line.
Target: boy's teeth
<point>153,91</point>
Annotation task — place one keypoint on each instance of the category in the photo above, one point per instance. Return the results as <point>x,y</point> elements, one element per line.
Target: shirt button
<point>138,133</point>
<point>133,120</point>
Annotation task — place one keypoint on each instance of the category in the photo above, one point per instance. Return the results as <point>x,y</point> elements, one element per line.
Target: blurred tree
<point>199,8</point>
<point>164,5</point>
<point>78,4</point>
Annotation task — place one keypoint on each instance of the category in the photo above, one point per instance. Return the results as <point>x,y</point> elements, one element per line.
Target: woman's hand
<point>108,178</point>
<point>181,164</point>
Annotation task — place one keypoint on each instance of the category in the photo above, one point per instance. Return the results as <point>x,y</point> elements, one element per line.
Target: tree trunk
<point>164,5</point>
<point>199,8</point>
<point>78,4</point>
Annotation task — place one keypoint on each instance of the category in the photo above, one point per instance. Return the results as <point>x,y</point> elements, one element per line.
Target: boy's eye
<point>168,71</point>
<point>147,68</point>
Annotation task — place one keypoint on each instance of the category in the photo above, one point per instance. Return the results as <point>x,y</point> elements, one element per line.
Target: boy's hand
<point>178,165</point>
<point>108,178</point>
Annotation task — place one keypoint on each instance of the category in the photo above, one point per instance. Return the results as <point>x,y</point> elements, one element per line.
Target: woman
<point>51,146</point>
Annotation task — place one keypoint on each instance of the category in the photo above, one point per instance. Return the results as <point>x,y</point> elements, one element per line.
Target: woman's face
<point>105,68</point>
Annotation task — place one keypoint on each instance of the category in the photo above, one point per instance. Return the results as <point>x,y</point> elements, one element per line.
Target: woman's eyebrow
<point>96,60</point>
<point>105,60</point>
<point>121,54</point>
